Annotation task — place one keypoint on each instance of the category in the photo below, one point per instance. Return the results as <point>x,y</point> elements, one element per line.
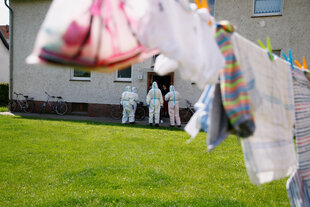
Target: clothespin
<point>304,64</point>
<point>202,4</point>
<point>289,58</point>
<point>269,48</point>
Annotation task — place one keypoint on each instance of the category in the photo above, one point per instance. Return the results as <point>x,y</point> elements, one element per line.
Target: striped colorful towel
<point>270,153</point>
<point>298,185</point>
<point>235,96</point>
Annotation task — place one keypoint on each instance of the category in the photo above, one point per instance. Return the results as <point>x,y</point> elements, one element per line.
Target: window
<point>211,5</point>
<point>80,75</point>
<point>79,107</point>
<point>124,74</point>
<point>277,52</point>
<point>267,7</point>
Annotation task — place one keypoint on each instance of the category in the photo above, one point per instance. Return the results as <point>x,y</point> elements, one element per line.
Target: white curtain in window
<point>267,6</point>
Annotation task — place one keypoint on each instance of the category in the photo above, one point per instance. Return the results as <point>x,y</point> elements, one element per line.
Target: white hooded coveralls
<point>127,101</point>
<point>154,100</point>
<point>136,99</point>
<point>173,98</point>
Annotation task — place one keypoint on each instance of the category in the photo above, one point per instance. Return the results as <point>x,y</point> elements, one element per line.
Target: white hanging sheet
<point>185,36</point>
<point>270,153</point>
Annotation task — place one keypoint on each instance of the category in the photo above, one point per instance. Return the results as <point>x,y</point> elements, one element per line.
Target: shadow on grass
<point>99,177</point>
<point>103,123</point>
<point>141,201</point>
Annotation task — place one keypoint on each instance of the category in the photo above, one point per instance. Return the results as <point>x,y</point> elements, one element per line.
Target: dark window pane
<point>81,74</point>
<point>277,52</point>
<point>267,6</point>
<point>211,5</point>
<point>125,73</point>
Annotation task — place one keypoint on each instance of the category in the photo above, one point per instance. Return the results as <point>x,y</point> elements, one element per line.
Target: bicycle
<point>59,106</point>
<point>117,112</point>
<point>140,112</point>
<point>186,113</point>
<point>17,105</point>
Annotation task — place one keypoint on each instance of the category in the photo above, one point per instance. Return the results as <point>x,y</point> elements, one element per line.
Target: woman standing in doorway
<point>165,107</point>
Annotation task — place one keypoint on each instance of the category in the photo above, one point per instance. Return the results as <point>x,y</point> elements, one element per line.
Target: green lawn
<point>69,163</point>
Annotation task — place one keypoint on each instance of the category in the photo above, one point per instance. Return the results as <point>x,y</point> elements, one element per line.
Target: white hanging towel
<point>270,153</point>
<point>184,36</point>
<point>164,65</point>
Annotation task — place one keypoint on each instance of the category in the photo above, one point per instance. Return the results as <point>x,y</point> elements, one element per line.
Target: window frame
<point>266,14</point>
<point>280,52</point>
<point>213,8</point>
<point>80,78</point>
<point>123,79</point>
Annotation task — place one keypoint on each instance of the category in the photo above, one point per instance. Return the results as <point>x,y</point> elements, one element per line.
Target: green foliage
<point>4,109</point>
<point>4,94</point>
<point>68,163</point>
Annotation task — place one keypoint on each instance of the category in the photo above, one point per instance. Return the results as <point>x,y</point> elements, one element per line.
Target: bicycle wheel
<point>61,108</point>
<point>116,112</point>
<point>43,108</point>
<point>28,106</point>
<point>12,106</point>
<point>185,115</point>
<point>140,113</point>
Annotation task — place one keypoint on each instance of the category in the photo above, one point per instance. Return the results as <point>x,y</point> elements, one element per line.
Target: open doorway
<point>166,80</point>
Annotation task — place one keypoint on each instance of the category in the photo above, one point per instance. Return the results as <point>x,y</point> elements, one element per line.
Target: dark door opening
<point>161,80</point>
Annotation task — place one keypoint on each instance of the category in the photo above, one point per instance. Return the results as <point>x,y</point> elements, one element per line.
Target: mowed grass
<point>70,163</point>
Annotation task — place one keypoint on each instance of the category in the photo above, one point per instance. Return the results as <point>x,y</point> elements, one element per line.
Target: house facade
<point>286,22</point>
<point>91,93</point>
<point>4,54</point>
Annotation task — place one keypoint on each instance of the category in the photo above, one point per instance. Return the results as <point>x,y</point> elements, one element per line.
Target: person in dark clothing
<point>165,107</point>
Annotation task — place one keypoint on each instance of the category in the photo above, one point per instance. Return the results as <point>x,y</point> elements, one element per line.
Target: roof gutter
<point>11,51</point>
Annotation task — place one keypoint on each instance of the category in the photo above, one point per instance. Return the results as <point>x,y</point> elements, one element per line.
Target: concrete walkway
<point>165,123</point>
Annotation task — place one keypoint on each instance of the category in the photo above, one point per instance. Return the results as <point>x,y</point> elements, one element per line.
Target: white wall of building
<point>4,64</point>
<point>290,30</point>
<point>102,89</point>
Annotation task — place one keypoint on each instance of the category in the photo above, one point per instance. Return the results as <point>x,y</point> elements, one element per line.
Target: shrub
<point>4,93</point>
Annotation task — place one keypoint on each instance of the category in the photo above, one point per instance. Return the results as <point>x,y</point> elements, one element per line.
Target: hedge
<point>4,93</point>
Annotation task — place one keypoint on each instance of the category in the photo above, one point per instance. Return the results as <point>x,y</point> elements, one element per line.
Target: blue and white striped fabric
<point>201,118</point>
<point>270,153</point>
<point>298,186</point>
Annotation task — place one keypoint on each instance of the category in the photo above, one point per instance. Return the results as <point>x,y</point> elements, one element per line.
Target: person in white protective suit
<point>154,100</point>
<point>127,101</point>
<point>173,98</point>
<point>136,99</point>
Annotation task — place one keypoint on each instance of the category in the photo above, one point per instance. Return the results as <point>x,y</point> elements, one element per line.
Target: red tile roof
<point>4,29</point>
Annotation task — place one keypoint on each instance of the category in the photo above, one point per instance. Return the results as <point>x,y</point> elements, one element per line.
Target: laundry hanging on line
<point>187,43</point>
<point>231,101</point>
<point>298,185</point>
<point>90,35</point>
<point>270,153</point>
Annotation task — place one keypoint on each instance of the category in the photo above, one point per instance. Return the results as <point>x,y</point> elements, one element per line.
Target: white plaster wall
<point>4,64</point>
<point>34,80</point>
<point>291,30</point>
